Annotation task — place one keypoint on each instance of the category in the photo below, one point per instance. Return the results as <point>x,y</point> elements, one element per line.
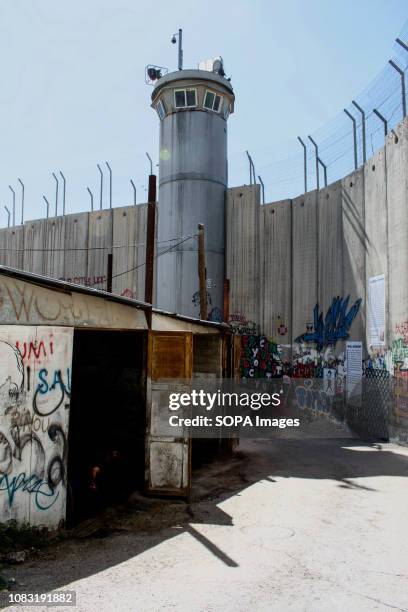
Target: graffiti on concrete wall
<point>196,298</point>
<point>399,352</point>
<point>260,358</point>
<point>88,281</point>
<point>401,329</point>
<point>35,388</point>
<point>240,325</point>
<point>334,326</point>
<point>215,315</point>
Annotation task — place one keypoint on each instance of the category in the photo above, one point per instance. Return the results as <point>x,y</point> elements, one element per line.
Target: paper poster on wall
<point>376,310</point>
<point>354,360</point>
<point>329,381</point>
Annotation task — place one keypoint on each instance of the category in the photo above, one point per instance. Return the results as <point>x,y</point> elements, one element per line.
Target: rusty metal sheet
<point>168,450</point>
<point>170,355</point>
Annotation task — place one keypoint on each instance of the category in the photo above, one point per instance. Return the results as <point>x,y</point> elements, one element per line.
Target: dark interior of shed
<point>106,459</point>
<point>206,366</point>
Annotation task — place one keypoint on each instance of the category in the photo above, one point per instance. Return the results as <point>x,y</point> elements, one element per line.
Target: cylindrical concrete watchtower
<point>193,107</point>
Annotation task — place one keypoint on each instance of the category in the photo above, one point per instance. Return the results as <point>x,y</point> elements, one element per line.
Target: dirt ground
<point>284,524</point>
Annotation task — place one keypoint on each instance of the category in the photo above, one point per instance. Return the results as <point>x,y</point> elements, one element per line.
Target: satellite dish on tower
<point>218,66</point>
<point>215,65</point>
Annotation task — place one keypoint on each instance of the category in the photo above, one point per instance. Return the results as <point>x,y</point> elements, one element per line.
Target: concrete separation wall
<point>307,287</point>
<point>75,248</point>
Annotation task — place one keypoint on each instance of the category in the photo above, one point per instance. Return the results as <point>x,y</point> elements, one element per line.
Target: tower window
<point>212,101</point>
<point>161,109</point>
<point>185,98</point>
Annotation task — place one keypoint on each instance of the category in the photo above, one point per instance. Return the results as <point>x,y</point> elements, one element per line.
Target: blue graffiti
<point>41,490</point>
<point>45,386</point>
<point>334,326</point>
<point>215,315</point>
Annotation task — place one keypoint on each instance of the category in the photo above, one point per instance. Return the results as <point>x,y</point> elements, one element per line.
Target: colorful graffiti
<point>334,326</point>
<point>35,382</point>
<point>401,329</point>
<point>399,352</point>
<point>260,358</point>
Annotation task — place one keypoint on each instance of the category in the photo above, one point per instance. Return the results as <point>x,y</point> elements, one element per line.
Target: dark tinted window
<point>180,97</point>
<point>191,97</point>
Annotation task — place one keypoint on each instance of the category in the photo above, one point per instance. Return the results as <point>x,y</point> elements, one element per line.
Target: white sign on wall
<point>354,360</point>
<point>376,310</point>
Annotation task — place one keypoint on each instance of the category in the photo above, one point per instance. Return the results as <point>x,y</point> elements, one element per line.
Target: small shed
<point>83,377</point>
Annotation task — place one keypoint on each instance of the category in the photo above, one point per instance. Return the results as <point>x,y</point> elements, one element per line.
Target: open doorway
<point>207,365</point>
<point>106,459</point>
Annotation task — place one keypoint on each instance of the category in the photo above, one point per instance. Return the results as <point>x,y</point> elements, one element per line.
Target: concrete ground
<point>316,525</point>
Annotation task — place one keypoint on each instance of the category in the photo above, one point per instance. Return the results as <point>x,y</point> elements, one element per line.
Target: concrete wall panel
<point>376,222</point>
<point>34,244</point>
<point>276,270</point>
<point>129,238</point>
<point>397,189</point>
<point>54,256</point>
<point>330,246</point>
<point>99,240</point>
<point>304,281</point>
<point>243,252</point>
<point>354,248</point>
<point>76,254</point>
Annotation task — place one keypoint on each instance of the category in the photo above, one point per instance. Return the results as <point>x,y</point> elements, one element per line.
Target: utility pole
<point>202,273</point>
<point>151,230</point>
<point>109,274</point>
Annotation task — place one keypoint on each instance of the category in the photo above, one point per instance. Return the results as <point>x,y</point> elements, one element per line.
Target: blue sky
<point>73,91</point>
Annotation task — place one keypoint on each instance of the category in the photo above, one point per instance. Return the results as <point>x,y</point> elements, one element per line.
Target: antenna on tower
<point>179,34</point>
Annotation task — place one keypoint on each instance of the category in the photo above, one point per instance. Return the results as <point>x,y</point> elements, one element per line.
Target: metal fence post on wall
<point>304,161</point>
<point>354,137</point>
<point>92,198</point>
<point>383,119</point>
<point>363,129</point>
<point>110,184</point>
<point>252,179</point>
<point>22,200</point>
<point>151,164</point>
<point>100,188</point>
<point>134,192</point>
<point>262,188</point>
<point>8,216</point>
<point>317,161</point>
<point>403,93</point>
<point>250,168</point>
<point>401,43</point>
<point>324,171</point>
<point>56,193</point>
<point>48,205</point>
<point>14,205</point>
<point>64,187</point>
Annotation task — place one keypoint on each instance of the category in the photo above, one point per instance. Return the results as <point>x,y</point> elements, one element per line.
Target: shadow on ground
<point>142,523</point>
